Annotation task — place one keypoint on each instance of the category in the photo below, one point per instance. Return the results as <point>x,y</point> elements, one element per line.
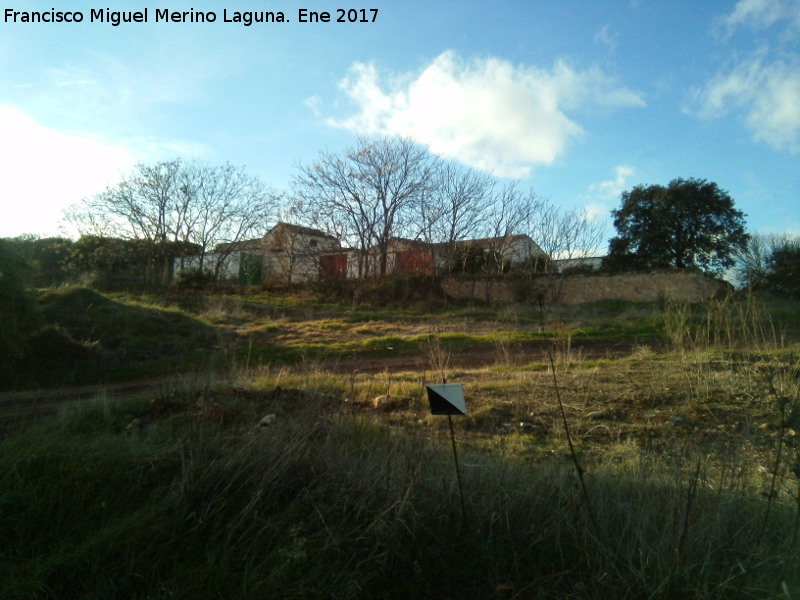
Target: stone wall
<point>577,289</point>
<point>486,290</point>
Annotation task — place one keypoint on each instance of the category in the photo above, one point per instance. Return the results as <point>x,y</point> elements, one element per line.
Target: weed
<point>438,357</point>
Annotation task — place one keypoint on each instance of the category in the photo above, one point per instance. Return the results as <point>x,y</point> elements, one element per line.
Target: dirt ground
<point>28,404</point>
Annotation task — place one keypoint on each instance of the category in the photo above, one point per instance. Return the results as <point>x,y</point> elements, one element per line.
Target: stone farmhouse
<point>285,254</point>
<point>294,254</point>
<point>510,250</point>
<point>289,254</point>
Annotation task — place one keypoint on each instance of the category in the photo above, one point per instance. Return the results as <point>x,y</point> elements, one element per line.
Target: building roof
<point>258,243</point>
<point>301,230</point>
<point>398,243</point>
<point>255,244</point>
<point>492,242</point>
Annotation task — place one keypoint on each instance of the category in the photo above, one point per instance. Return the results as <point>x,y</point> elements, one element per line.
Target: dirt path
<point>24,405</point>
<point>27,404</point>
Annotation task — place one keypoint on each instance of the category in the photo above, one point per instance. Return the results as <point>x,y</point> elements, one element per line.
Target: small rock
<point>210,411</point>
<point>267,421</point>
<point>133,427</point>
<point>384,403</point>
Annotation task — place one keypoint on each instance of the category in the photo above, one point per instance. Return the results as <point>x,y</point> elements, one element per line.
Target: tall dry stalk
<point>565,424</point>
<point>729,323</point>
<point>438,357</point>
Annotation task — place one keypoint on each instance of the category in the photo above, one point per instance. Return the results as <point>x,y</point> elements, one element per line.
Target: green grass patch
<point>89,336</point>
<point>100,337</point>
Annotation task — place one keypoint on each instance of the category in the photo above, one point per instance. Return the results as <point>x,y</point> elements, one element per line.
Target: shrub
<point>194,280</point>
<point>18,315</point>
<point>783,269</point>
<point>53,346</point>
<point>46,259</point>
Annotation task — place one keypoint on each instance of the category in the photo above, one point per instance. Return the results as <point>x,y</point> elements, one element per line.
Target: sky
<point>576,100</point>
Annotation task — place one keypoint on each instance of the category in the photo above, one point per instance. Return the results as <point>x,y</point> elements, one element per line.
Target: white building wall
<point>293,256</point>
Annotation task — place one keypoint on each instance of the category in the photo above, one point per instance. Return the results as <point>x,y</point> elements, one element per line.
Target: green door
<point>250,266</point>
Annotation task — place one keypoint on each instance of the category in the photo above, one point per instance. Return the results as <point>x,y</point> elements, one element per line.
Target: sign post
<point>448,399</point>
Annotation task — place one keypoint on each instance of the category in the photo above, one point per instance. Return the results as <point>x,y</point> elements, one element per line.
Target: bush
<point>194,280</point>
<point>18,314</point>
<point>52,346</point>
<point>46,259</point>
<point>783,270</point>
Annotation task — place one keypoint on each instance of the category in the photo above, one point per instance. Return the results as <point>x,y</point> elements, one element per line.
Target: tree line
<point>384,189</point>
<point>366,196</point>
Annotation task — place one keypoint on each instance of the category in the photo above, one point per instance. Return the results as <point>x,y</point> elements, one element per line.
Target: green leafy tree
<point>783,269</point>
<point>18,314</point>
<point>115,261</point>
<point>690,224</point>
<point>47,258</point>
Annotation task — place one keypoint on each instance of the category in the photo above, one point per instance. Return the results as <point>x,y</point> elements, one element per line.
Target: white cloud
<point>77,82</point>
<point>485,113</point>
<point>121,95</point>
<point>613,187</point>
<point>604,38</point>
<point>44,170</point>
<point>758,14</point>
<point>596,211</point>
<point>602,196</point>
<point>767,92</point>
<point>761,86</point>
<point>315,104</point>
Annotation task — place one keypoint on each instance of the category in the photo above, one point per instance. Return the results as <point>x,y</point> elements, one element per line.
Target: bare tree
<point>454,210</point>
<point>752,261</point>
<point>565,234</point>
<point>561,234</point>
<point>370,188</point>
<point>140,206</point>
<point>180,202</point>
<point>225,206</point>
<point>510,212</point>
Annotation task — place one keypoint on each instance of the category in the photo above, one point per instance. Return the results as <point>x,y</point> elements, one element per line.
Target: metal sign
<point>446,399</point>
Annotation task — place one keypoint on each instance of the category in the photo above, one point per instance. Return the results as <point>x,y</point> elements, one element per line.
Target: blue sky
<point>578,100</point>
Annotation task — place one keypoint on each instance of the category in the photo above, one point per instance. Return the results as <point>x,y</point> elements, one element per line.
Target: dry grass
<point>679,477</point>
<point>690,473</point>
